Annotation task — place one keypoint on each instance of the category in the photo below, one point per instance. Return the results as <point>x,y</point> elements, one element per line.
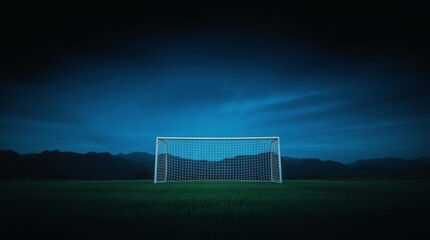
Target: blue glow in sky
<point>212,83</point>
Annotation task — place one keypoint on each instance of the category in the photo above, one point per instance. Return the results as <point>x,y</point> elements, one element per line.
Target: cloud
<point>206,84</point>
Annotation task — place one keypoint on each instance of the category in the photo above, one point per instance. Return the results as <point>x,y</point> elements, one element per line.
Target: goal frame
<point>158,139</point>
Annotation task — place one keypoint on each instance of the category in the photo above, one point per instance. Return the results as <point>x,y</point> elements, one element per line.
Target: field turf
<point>296,209</point>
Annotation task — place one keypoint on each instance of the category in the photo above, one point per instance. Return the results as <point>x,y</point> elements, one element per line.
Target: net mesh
<point>214,159</point>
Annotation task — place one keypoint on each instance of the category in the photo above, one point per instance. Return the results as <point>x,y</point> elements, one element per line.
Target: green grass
<point>360,209</point>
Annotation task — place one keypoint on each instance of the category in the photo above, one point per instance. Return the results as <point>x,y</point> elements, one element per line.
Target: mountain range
<point>140,165</point>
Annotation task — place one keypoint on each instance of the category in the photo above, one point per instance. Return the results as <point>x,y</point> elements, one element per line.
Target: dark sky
<point>340,82</point>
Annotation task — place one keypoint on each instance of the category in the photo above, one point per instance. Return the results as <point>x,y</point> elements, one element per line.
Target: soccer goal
<point>217,159</point>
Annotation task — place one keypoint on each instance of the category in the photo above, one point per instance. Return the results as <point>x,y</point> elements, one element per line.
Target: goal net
<point>217,159</point>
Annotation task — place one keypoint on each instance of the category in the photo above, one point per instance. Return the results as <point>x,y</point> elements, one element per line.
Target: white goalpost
<point>217,159</point>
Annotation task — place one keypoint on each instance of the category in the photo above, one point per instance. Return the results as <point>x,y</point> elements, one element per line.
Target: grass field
<point>347,209</point>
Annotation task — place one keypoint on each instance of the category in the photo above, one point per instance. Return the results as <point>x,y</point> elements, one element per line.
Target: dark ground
<point>311,209</point>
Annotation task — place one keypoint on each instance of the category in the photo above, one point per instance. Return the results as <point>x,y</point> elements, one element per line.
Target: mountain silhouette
<point>140,165</point>
<point>145,159</point>
<point>312,168</point>
<point>385,167</point>
<point>66,165</point>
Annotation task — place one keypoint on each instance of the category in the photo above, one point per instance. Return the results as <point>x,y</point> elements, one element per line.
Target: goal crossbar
<point>218,138</point>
